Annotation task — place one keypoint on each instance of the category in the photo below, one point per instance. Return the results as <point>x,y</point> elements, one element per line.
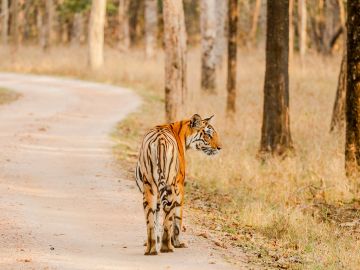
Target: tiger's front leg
<point>179,201</point>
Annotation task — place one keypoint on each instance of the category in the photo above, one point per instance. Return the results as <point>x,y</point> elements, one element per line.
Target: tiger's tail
<point>138,178</point>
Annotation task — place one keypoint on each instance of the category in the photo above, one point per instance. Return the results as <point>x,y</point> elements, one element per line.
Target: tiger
<point>160,176</point>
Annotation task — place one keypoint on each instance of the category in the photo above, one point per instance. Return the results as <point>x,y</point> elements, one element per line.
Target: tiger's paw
<point>181,245</point>
<point>152,252</point>
<point>166,248</point>
<point>178,244</point>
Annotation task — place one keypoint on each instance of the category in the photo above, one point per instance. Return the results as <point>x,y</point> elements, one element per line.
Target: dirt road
<point>63,201</point>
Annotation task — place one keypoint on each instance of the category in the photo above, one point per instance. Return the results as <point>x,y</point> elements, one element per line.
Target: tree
<point>4,21</point>
<point>150,27</point>
<point>352,145</point>
<point>96,34</point>
<point>275,132</point>
<point>302,27</point>
<point>255,20</point>
<point>175,58</point>
<point>208,36</point>
<point>220,41</point>
<point>124,29</point>
<point>338,115</point>
<point>232,47</point>
<point>14,22</point>
<point>291,30</point>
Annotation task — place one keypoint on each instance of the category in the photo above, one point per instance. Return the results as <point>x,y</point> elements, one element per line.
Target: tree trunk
<point>15,23</point>
<point>208,36</point>
<point>96,34</point>
<point>220,41</point>
<point>291,30</point>
<point>352,146</point>
<point>4,21</point>
<point>77,35</point>
<point>124,28</point>
<point>275,133</point>
<point>338,115</point>
<point>255,20</point>
<point>302,27</point>
<point>150,27</point>
<point>232,48</point>
<point>50,17</point>
<point>175,58</point>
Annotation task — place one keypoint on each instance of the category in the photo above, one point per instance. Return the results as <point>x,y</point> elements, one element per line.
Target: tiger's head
<point>202,136</point>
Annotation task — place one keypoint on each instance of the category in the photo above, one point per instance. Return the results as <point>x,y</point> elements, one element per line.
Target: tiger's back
<point>158,162</point>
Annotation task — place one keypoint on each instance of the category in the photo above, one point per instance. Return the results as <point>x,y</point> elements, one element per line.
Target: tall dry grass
<point>302,204</point>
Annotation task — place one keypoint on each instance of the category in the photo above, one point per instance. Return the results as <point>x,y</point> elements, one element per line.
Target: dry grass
<point>8,96</point>
<point>298,212</point>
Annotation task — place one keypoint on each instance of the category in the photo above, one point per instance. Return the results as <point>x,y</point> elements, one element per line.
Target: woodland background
<point>295,209</point>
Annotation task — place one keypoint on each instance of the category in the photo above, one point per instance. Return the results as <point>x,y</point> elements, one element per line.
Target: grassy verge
<point>8,96</point>
<point>297,213</point>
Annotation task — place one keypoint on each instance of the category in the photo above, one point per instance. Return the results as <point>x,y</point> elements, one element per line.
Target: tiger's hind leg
<point>168,207</point>
<point>150,209</point>
<point>179,199</point>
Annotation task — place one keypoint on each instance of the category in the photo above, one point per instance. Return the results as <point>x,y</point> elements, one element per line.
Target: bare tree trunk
<point>28,15</point>
<point>15,23</point>
<point>41,21</point>
<point>255,20</point>
<point>275,132</point>
<point>302,27</point>
<point>232,48</point>
<point>96,34</point>
<point>150,27</point>
<point>5,21</point>
<point>220,41</point>
<point>208,36</point>
<point>291,30</point>
<point>124,28</point>
<point>77,35</point>
<point>338,115</point>
<point>50,16</point>
<point>352,145</point>
<point>175,58</point>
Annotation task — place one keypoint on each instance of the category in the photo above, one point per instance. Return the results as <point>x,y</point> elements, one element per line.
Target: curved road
<point>63,202</point>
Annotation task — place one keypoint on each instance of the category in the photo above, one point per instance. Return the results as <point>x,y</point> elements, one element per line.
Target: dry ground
<point>294,213</point>
<point>8,96</point>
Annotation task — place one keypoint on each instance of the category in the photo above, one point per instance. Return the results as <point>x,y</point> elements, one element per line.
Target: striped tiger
<point>160,176</point>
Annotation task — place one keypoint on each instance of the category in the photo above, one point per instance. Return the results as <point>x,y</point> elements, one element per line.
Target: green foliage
<point>111,8</point>
<point>69,7</point>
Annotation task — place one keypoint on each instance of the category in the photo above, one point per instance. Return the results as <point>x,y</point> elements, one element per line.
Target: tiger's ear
<point>195,121</point>
<point>207,120</point>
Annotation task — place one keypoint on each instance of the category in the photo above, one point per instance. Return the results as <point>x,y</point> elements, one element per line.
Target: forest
<point>282,79</point>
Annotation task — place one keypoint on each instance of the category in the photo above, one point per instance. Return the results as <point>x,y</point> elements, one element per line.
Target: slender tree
<point>15,22</point>
<point>352,145</point>
<point>124,29</point>
<point>175,58</point>
<point>4,21</point>
<point>77,31</point>
<point>208,54</point>
<point>302,27</point>
<point>220,41</point>
<point>150,27</point>
<point>291,30</point>
<point>255,20</point>
<point>232,48</point>
<point>338,115</point>
<point>275,133</point>
<point>96,34</point>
